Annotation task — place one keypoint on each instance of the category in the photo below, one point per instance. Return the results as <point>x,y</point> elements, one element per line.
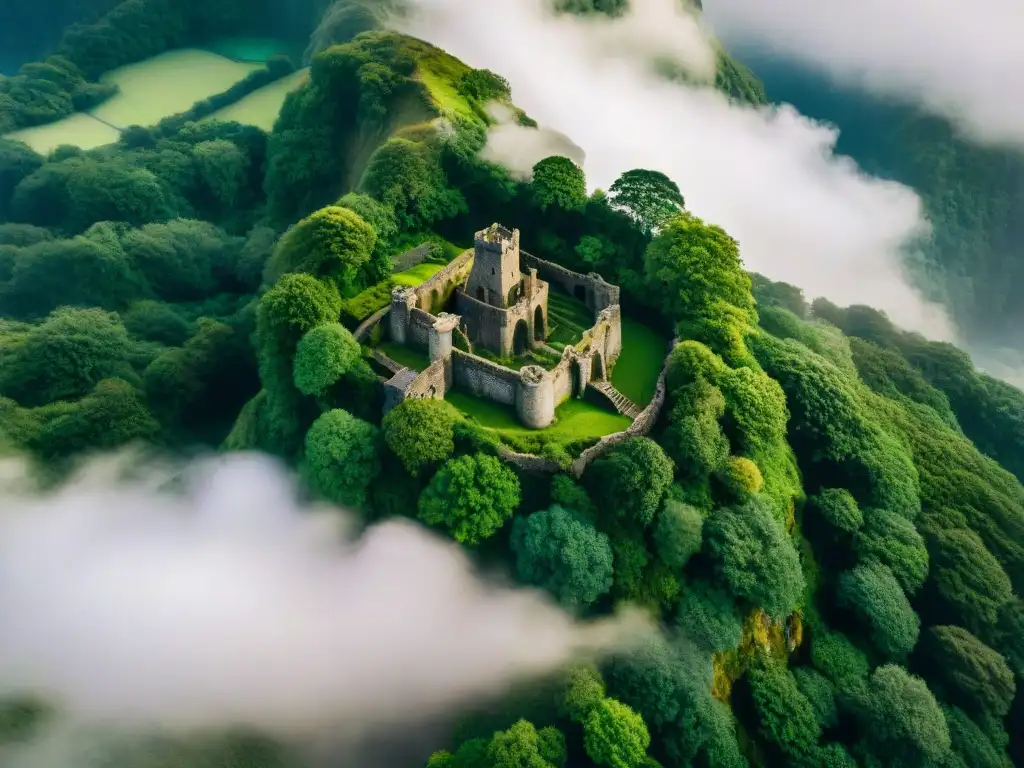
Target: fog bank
<point>963,61</point>
<point>219,600</point>
<point>768,176</point>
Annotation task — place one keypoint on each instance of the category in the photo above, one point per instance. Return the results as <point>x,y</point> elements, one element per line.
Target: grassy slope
<point>643,354</point>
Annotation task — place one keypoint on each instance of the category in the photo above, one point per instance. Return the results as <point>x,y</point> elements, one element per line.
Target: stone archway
<point>520,338</point>
<point>576,371</point>
<point>596,367</point>
<point>540,330</point>
<point>580,293</point>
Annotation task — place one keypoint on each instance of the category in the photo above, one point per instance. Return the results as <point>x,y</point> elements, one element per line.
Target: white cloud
<point>768,176</point>
<point>227,603</point>
<point>964,61</point>
<point>519,148</point>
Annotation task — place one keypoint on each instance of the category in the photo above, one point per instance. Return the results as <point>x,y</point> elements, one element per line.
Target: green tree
<point>113,191</point>
<point>156,321</point>
<point>650,197</point>
<point>523,746</point>
<point>969,584</point>
<point>333,244</point>
<point>222,166</point>
<point>324,355</point>
<point>630,480</point>
<point>966,672</point>
<point>342,457</point>
<point>17,161</point>
<point>565,555</point>
<point>874,596</point>
<point>838,659</point>
<point>740,478</point>
<point>900,718</point>
<point>894,542</point>
<point>694,438</point>
<point>65,356</point>
<point>787,718</point>
<point>653,676</point>
<point>421,432</point>
<point>709,617</point>
<point>615,736</point>
<point>969,742</point>
<point>678,533</point>
<point>558,182</point>
<point>383,221</point>
<point>837,508</point>
<point>471,496</point>
<point>820,694</point>
<point>696,271</point>
<point>755,557</point>
<point>584,689</point>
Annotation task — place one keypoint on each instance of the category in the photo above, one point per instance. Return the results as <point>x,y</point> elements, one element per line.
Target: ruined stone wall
<point>411,258</point>
<point>483,378</point>
<point>367,326</point>
<point>494,328</point>
<point>433,381</point>
<point>439,287</point>
<point>420,324</point>
<point>590,289</point>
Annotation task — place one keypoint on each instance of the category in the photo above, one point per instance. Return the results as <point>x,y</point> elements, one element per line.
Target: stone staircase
<point>622,404</point>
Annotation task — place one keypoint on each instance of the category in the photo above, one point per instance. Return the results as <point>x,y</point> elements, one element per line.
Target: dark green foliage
<point>709,617</point>
<point>630,480</point>
<point>323,356</point>
<point>967,581</point>
<point>820,694</point>
<point>565,555</point>
<point>383,221</point>
<point>739,478</point>
<point>755,557</point>
<point>17,161</point>
<point>406,177</point>
<point>183,260</point>
<point>296,304</point>
<point>900,719</point>
<point>333,244</point>
<point>65,356</point>
<point>558,183</point>
<point>653,677</point>
<point>48,90</point>
<point>615,736</point>
<point>838,659</point>
<point>693,439</point>
<point>155,321</point>
<point>649,197</point>
<point>342,457</point>
<point>421,432</point>
<point>837,508</point>
<point>786,718</point>
<point>568,494</point>
<point>678,533</point>
<point>22,235</point>
<point>971,747</point>
<point>873,595</point>
<point>966,672</point>
<point>894,542</point>
<point>471,496</point>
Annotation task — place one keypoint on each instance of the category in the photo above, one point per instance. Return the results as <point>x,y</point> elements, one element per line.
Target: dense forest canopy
<point>825,523</point>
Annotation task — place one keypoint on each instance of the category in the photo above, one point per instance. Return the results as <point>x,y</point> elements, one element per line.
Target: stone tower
<point>496,279</point>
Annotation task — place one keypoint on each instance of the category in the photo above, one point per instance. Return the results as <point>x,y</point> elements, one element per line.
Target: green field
<point>574,419</point>
<point>257,49</point>
<point>408,356</point>
<point>418,274</point>
<point>78,130</point>
<point>643,355</point>
<point>261,107</point>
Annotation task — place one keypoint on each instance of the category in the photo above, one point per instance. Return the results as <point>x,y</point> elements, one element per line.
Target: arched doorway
<point>520,338</point>
<point>580,293</point>
<point>577,379</point>
<point>481,294</point>
<point>596,367</point>
<point>540,331</point>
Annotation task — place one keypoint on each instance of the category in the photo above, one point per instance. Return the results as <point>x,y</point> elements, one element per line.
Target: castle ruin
<point>500,297</point>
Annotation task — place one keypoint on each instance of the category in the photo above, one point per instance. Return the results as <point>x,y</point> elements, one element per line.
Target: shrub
<point>678,533</point>
<point>874,596</point>
<point>471,496</point>
<point>740,478</point>
<point>894,542</point>
<point>342,458</point>
<point>710,617</point>
<point>837,507</point>
<point>421,432</point>
<point>324,355</point>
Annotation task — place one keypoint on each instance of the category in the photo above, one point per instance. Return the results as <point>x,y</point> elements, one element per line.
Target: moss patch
<point>643,355</point>
<point>418,274</point>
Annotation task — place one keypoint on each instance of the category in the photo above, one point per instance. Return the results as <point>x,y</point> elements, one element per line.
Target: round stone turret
<point>439,338</point>
<point>535,397</point>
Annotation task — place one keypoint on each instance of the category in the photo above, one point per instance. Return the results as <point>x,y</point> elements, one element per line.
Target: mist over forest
<point>774,517</point>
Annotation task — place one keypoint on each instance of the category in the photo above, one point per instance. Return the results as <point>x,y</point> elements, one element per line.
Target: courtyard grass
<point>405,355</point>
<point>639,365</point>
<point>575,421</point>
<point>568,318</point>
